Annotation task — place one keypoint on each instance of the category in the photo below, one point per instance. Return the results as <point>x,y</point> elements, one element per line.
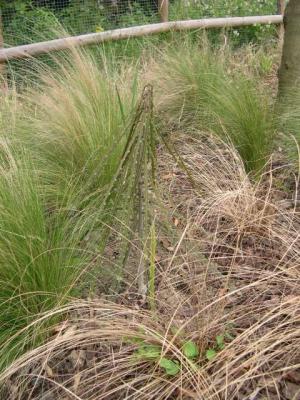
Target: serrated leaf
<point>210,354</point>
<point>171,367</point>
<point>190,350</point>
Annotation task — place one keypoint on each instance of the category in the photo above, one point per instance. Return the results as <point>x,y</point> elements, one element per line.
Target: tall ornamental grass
<point>40,259</point>
<point>76,164</point>
<point>79,115</point>
<point>201,88</point>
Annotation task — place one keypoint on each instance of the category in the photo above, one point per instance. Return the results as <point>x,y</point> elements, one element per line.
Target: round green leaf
<point>210,354</point>
<point>190,350</point>
<point>170,367</point>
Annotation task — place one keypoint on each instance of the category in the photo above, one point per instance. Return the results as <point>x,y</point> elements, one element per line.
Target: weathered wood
<point>2,66</point>
<point>280,6</point>
<point>163,8</point>
<point>289,71</point>
<point>35,49</point>
<point>3,81</point>
<point>280,11</point>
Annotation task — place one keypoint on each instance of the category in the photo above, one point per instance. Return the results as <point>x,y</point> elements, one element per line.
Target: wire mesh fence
<point>28,21</point>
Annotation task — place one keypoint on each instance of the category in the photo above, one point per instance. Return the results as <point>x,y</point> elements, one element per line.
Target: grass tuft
<point>201,91</point>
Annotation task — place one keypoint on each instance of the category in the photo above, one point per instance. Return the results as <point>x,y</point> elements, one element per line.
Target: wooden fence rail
<point>35,49</point>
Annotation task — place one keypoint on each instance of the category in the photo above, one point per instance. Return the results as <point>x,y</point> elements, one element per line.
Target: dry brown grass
<point>233,269</point>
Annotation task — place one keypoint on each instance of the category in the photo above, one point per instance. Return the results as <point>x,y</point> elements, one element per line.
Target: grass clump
<point>78,128</point>
<point>40,261</point>
<point>75,174</point>
<point>202,91</point>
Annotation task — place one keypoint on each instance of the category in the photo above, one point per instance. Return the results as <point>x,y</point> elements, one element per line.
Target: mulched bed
<point>240,274</point>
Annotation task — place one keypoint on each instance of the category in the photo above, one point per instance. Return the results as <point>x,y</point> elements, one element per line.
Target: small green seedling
<point>220,342</point>
<point>210,354</point>
<point>171,367</point>
<point>151,352</point>
<point>190,350</point>
<point>220,345</point>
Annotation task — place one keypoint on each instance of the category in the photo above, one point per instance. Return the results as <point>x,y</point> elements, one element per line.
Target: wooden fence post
<point>1,38</point>
<point>163,9</point>
<point>280,6</point>
<point>2,64</point>
<point>280,11</point>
